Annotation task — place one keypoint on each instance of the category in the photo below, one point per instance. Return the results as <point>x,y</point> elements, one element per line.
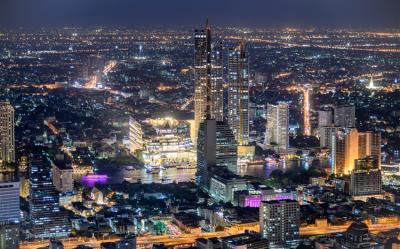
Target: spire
<point>207,24</point>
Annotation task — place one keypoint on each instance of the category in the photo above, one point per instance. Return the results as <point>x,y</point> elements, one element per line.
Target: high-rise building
<point>238,93</point>
<point>216,147</point>
<point>307,110</point>
<point>46,218</point>
<point>351,145</point>
<point>366,178</point>
<point>9,211</point>
<point>135,135</point>
<point>7,143</point>
<point>280,222</point>
<point>208,74</point>
<point>345,116</point>
<point>9,199</point>
<point>277,127</point>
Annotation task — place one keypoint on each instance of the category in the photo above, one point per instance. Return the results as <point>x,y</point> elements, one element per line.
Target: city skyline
<point>260,126</point>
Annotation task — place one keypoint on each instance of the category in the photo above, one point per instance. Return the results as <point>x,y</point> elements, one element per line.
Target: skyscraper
<point>351,145</point>
<point>216,147</point>
<point>9,199</point>
<point>208,73</point>
<point>238,93</point>
<point>135,135</point>
<point>306,110</point>
<point>9,212</point>
<point>7,143</point>
<point>277,127</point>
<point>280,223</point>
<point>47,220</point>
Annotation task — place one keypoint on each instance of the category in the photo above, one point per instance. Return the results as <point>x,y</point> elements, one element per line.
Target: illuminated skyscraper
<point>306,110</point>
<point>47,220</point>
<point>277,127</point>
<point>135,135</point>
<point>216,147</point>
<point>351,145</point>
<point>238,93</point>
<point>7,143</point>
<point>208,73</point>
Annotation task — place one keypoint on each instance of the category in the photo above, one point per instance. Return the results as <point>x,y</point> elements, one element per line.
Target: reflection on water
<point>115,175</point>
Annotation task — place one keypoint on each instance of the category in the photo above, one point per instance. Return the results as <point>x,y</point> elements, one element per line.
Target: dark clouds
<point>134,13</point>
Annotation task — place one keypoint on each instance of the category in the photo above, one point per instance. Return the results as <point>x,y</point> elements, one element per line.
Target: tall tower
<point>47,220</point>
<point>7,142</point>
<point>306,110</point>
<point>208,77</point>
<point>277,127</point>
<point>238,93</point>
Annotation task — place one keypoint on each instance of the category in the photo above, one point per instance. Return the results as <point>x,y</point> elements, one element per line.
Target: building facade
<point>351,145</point>
<point>46,218</point>
<point>216,147</point>
<point>208,70</point>
<point>135,135</point>
<point>280,223</point>
<point>7,136</point>
<point>277,126</point>
<point>238,93</point>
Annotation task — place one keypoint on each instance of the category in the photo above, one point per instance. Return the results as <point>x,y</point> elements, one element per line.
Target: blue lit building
<point>47,220</point>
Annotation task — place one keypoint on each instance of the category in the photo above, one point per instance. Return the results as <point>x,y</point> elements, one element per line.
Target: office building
<point>238,93</point>
<point>62,176</point>
<point>280,222</point>
<point>351,145</point>
<point>208,74</point>
<point>135,135</point>
<point>10,214</point>
<point>277,127</point>
<point>216,147</point>
<point>366,179</point>
<point>9,199</point>
<point>46,218</point>
<point>345,116</point>
<point>7,136</point>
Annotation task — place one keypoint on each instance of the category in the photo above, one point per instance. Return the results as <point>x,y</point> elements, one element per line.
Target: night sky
<point>159,13</point>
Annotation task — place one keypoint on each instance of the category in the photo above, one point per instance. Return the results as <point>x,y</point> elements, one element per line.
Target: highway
<point>147,241</point>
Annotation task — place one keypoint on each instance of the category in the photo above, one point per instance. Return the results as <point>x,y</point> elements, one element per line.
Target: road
<point>147,241</point>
